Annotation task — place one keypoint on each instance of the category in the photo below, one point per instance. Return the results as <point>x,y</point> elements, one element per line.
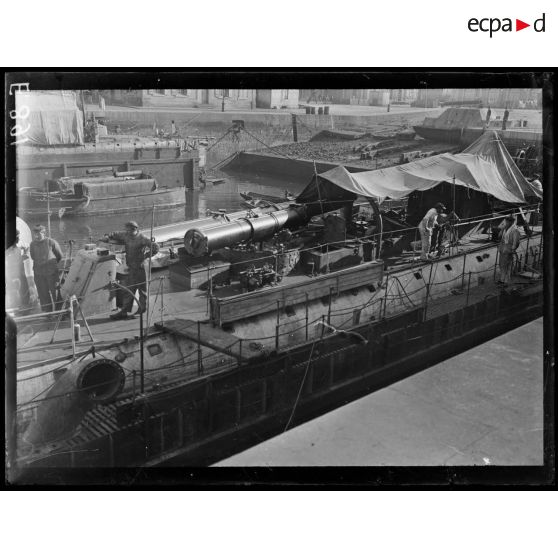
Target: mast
<point>83,108</point>
<point>149,269</point>
<point>48,209</point>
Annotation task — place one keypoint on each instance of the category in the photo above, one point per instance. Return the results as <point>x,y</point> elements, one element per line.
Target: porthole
<point>154,349</point>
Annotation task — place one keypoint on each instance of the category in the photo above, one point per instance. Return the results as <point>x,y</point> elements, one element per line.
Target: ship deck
<point>37,342</point>
<point>35,347</point>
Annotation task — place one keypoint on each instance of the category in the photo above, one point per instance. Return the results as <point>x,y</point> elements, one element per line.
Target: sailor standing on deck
<point>138,248</point>
<point>46,254</point>
<point>426,226</point>
<point>509,242</point>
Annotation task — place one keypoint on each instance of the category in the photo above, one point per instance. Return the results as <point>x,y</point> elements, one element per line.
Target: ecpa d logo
<point>494,24</point>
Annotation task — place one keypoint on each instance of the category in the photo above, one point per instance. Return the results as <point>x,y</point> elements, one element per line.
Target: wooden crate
<point>236,307</point>
<point>319,262</point>
<point>197,276</point>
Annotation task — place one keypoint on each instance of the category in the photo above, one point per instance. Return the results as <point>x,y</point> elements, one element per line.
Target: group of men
<point>432,228</point>
<point>46,255</point>
<point>433,224</point>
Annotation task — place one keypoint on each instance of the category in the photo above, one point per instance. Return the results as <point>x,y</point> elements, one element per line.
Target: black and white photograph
<point>246,283</point>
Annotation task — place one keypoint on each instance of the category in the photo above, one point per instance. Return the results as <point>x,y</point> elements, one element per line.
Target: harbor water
<point>226,195</point>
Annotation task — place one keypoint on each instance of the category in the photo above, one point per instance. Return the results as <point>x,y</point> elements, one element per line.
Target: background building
<point>277,98</point>
<point>244,99</point>
<point>378,97</point>
<point>429,98</point>
<point>496,98</point>
<point>403,96</point>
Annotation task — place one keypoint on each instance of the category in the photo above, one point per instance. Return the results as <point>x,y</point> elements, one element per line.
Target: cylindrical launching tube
<point>198,242</point>
<point>85,383</point>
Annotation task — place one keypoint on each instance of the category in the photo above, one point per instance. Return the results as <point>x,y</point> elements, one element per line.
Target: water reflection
<point>225,195</point>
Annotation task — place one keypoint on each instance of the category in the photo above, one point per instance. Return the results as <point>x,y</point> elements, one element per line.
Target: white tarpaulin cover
<point>485,166</point>
<point>51,118</point>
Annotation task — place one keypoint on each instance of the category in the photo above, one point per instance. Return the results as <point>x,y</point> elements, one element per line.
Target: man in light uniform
<point>509,242</point>
<point>426,226</point>
<point>536,183</point>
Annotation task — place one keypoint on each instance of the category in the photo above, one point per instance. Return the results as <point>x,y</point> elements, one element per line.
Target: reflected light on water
<point>219,196</point>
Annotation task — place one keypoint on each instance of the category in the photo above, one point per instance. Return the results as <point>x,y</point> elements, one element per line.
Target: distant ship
<point>464,125</point>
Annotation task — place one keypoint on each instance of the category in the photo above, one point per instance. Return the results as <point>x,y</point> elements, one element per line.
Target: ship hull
<point>341,374</point>
<point>258,392</point>
<point>162,199</point>
<point>218,415</point>
<point>513,138</point>
<point>168,165</point>
<point>445,135</point>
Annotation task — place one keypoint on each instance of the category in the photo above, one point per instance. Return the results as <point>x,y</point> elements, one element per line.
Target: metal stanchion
<point>200,356</point>
<point>71,310</point>
<point>277,337</point>
<point>162,289</point>
<point>306,316</point>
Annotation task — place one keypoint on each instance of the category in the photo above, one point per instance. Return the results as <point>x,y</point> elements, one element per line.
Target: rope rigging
<point>182,361</point>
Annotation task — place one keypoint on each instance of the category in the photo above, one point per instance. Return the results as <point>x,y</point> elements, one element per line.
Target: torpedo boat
<point>274,318</point>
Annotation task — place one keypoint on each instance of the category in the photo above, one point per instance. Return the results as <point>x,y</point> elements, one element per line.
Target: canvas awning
<point>52,117</point>
<point>485,166</point>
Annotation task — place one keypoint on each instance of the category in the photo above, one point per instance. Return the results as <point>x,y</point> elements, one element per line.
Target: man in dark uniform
<point>45,253</point>
<point>138,248</point>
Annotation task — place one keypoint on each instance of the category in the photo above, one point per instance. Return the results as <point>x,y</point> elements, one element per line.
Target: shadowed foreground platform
<point>482,407</point>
